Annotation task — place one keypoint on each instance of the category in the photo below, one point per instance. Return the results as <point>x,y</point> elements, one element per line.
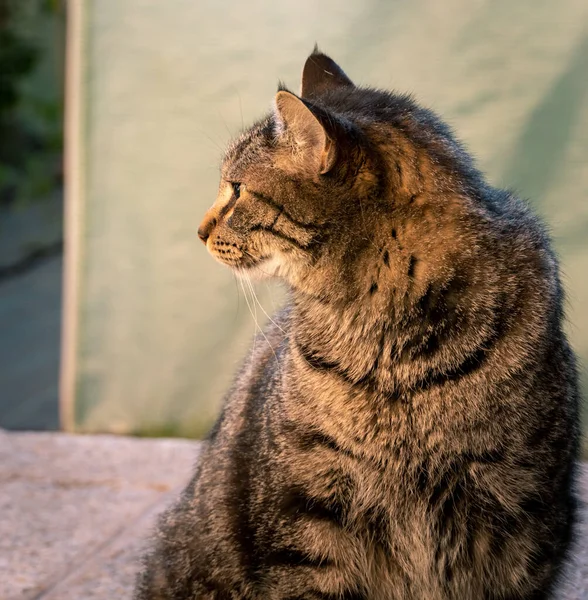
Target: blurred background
<point>154,328</point>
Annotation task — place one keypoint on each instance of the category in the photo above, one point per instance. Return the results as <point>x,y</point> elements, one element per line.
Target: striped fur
<point>407,429</point>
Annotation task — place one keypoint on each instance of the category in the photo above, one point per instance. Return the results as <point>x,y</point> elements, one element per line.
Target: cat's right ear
<point>321,74</point>
<point>311,144</point>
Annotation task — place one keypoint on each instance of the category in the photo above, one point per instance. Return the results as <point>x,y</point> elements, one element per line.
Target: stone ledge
<point>75,510</point>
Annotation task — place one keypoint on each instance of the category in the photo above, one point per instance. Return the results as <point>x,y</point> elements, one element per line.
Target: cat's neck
<point>390,347</point>
<point>343,337</point>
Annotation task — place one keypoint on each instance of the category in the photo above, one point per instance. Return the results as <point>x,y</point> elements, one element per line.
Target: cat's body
<point>408,430</point>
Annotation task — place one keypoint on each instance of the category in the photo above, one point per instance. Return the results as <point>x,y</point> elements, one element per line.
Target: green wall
<point>160,326</point>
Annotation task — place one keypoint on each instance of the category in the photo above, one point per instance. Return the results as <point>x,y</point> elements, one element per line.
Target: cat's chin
<point>264,268</point>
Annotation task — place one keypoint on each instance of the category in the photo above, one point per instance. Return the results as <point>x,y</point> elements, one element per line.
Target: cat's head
<point>327,181</point>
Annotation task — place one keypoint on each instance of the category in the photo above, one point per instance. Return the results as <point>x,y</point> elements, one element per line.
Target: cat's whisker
<point>248,281</point>
<point>257,267</point>
<point>238,299</point>
<point>241,110</point>
<point>251,311</point>
<point>252,288</point>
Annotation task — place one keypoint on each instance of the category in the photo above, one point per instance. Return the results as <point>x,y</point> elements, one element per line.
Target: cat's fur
<point>412,434</point>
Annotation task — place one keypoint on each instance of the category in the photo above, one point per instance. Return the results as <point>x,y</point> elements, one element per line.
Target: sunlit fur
<point>407,428</point>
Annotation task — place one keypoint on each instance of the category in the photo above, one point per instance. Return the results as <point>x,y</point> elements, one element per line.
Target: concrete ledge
<point>75,510</point>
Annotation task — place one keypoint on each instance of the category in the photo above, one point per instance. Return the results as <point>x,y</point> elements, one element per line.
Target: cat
<point>407,427</point>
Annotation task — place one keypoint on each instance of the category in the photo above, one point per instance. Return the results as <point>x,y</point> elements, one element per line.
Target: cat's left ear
<point>308,135</point>
<point>321,74</point>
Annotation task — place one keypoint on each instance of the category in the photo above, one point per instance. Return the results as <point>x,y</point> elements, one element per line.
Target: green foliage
<point>30,109</point>
<point>52,5</point>
<point>17,58</point>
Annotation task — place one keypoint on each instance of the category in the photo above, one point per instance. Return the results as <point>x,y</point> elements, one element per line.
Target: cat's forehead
<point>251,146</point>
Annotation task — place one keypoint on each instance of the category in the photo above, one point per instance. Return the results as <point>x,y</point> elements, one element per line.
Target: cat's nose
<point>206,227</point>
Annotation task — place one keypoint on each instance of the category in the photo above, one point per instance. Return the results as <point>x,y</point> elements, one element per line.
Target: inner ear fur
<point>308,133</point>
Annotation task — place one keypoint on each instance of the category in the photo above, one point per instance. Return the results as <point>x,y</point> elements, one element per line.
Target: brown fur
<point>407,428</point>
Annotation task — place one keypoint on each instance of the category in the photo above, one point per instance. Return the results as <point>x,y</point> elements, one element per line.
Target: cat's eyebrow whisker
<point>225,124</point>
<point>213,142</point>
<point>241,110</point>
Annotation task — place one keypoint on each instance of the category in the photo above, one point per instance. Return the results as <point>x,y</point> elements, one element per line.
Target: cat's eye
<point>236,189</point>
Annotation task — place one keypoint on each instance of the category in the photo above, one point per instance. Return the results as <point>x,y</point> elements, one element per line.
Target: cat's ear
<point>320,74</point>
<point>308,135</point>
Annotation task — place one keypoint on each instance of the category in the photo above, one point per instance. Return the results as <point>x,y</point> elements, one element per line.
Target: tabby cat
<point>407,428</point>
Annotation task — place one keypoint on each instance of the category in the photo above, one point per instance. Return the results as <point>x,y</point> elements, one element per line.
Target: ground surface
<point>75,510</point>
<point>30,320</point>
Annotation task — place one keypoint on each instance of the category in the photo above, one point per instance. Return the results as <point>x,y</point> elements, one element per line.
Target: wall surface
<point>158,326</point>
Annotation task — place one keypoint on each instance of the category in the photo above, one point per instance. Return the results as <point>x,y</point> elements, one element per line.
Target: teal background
<point>160,326</point>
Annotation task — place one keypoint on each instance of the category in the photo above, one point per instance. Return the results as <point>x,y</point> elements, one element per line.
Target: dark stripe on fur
<point>316,595</point>
<point>228,206</point>
<point>350,595</point>
<point>320,364</point>
<point>411,265</point>
<point>283,236</point>
<point>273,204</point>
<point>471,363</point>
<point>368,380</point>
<point>296,503</point>
<point>310,438</point>
<point>293,557</point>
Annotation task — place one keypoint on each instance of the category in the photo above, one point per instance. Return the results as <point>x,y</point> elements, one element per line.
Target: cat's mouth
<point>242,261</point>
<point>254,267</point>
<point>264,267</point>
